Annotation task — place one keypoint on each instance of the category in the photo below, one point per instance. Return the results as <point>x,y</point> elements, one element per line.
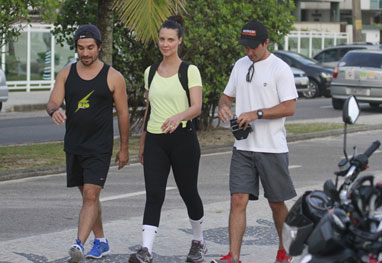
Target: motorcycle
<point>339,224</point>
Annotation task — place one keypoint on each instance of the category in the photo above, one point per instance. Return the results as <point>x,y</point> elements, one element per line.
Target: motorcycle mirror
<point>331,190</point>
<point>351,110</point>
<point>350,114</point>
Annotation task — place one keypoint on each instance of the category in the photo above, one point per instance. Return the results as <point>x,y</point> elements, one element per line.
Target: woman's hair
<point>174,22</point>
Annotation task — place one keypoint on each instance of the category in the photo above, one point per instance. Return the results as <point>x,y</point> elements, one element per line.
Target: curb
<point>48,170</point>
<point>27,107</point>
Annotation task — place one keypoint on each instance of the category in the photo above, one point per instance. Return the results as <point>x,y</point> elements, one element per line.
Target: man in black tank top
<point>89,88</point>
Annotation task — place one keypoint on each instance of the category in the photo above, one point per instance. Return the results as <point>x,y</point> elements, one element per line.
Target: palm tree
<point>145,17</point>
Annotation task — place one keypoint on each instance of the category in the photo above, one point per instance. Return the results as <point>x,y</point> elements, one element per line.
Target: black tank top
<point>89,111</point>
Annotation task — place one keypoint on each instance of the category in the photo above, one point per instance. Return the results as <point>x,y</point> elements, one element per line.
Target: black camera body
<point>239,132</point>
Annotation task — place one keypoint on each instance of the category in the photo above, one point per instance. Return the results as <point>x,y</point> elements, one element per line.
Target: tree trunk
<point>105,24</point>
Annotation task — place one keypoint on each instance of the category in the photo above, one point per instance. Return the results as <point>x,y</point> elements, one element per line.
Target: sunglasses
<point>251,71</point>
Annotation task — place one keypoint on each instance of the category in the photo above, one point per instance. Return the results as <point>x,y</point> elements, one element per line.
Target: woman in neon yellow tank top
<point>170,142</point>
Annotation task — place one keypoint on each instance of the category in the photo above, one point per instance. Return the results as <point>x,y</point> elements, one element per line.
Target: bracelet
<point>52,112</point>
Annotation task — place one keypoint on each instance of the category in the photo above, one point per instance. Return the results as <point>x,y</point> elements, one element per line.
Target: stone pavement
<point>172,242</point>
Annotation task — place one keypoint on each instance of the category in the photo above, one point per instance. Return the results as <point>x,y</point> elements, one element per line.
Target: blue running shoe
<point>99,249</point>
<point>76,252</point>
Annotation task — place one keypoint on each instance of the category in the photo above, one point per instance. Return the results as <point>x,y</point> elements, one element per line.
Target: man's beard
<point>90,62</point>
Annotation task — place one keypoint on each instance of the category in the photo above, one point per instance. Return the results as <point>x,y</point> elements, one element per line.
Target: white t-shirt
<point>272,83</point>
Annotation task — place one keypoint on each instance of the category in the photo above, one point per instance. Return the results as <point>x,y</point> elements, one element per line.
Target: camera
<point>239,133</point>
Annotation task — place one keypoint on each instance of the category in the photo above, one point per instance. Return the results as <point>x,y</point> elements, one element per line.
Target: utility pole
<point>357,20</point>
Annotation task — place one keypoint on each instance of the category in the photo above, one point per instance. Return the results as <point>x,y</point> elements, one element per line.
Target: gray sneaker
<point>142,256</point>
<point>197,251</point>
<point>76,252</point>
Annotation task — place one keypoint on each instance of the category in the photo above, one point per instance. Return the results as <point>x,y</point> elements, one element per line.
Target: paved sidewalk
<point>26,101</point>
<point>172,242</point>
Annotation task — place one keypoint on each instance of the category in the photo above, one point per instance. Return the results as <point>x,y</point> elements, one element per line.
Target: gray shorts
<point>272,169</point>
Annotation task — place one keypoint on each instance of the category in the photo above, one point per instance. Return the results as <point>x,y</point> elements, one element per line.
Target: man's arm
<point>57,97</point>
<point>118,85</point>
<point>225,104</point>
<point>284,109</point>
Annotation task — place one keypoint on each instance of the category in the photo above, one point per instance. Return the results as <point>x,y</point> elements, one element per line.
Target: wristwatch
<point>260,114</point>
<point>51,112</point>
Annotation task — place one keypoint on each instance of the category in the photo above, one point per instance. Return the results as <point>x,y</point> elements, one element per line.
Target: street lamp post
<point>357,21</point>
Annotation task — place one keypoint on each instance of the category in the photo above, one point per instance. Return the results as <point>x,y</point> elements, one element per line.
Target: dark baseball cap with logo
<point>253,34</point>
<point>88,31</point>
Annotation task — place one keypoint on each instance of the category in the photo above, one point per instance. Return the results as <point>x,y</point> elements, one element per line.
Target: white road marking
<point>110,198</point>
<point>326,107</point>
<point>294,166</point>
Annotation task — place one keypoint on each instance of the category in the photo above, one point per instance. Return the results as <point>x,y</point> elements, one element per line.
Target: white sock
<point>102,239</point>
<point>197,229</point>
<point>148,236</point>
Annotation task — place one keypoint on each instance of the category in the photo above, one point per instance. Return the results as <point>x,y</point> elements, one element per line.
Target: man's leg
<point>98,226</point>
<point>279,212</point>
<point>89,212</point>
<point>237,223</point>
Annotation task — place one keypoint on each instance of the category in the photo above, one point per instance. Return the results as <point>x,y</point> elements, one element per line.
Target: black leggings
<point>181,152</point>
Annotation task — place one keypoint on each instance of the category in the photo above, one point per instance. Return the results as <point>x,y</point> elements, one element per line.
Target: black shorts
<point>82,169</point>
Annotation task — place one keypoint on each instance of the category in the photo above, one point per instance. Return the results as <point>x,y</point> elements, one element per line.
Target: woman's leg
<point>156,170</point>
<point>185,163</point>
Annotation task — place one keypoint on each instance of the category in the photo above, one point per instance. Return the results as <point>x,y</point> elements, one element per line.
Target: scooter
<point>339,224</point>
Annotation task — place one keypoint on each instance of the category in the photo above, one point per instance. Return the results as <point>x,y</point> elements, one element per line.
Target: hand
<point>225,111</point>
<point>58,117</point>
<point>170,125</point>
<point>245,118</point>
<point>122,158</point>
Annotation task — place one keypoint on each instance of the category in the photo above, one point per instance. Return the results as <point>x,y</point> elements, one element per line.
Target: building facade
<point>33,60</point>
<point>310,13</point>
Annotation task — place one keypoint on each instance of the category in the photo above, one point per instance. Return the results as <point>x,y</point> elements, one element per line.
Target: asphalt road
<point>40,205</point>
<point>22,128</point>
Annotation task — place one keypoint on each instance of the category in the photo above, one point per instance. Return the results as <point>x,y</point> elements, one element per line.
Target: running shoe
<point>76,252</point>
<point>226,259</point>
<point>197,251</point>
<point>99,249</point>
<point>282,257</point>
<point>142,256</point>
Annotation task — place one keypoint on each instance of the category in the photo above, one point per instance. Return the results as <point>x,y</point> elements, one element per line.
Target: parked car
<point>330,56</point>
<point>301,80</point>
<point>358,73</point>
<point>319,76</point>
<point>3,89</point>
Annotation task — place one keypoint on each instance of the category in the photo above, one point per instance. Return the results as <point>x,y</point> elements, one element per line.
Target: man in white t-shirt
<point>265,93</point>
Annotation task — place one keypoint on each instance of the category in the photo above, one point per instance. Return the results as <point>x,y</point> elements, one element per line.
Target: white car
<point>3,89</point>
<point>300,79</point>
<point>358,73</point>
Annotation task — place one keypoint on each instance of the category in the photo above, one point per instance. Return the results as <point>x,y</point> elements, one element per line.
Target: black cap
<point>253,34</point>
<point>88,31</point>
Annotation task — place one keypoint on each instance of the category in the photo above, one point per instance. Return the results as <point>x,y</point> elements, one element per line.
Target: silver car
<point>3,89</point>
<point>358,73</point>
<point>330,56</point>
<point>300,79</point>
